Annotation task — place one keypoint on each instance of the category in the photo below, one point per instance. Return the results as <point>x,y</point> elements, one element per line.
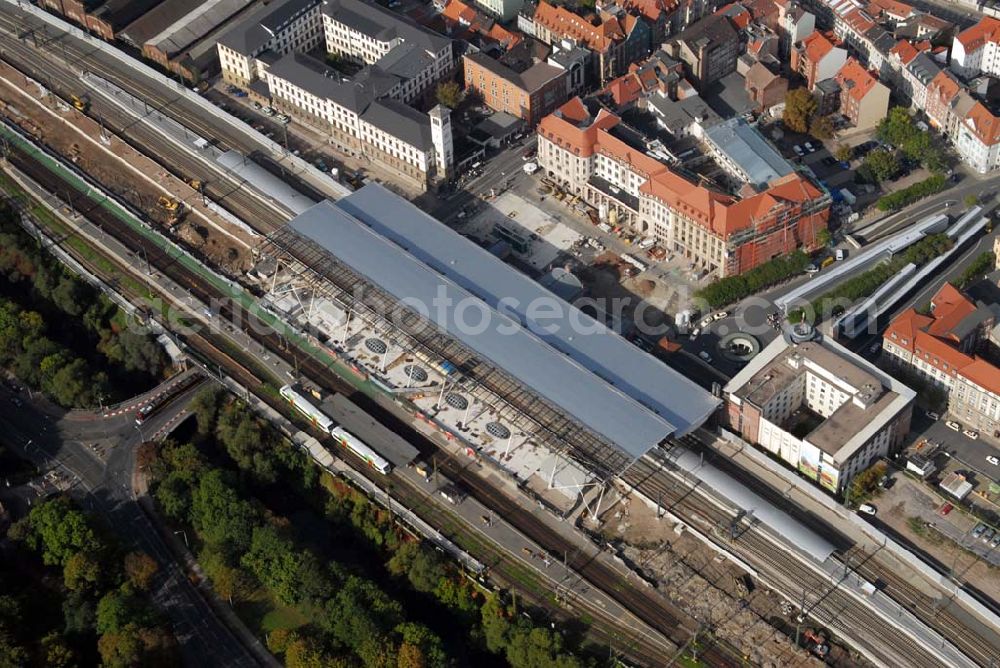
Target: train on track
<point>343,437</point>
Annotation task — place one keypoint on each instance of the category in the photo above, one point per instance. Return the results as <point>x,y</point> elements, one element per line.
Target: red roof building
<point>941,348</point>
<point>726,235</point>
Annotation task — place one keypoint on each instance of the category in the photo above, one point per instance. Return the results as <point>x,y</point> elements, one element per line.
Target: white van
<point>647,243</point>
<point>840,254</point>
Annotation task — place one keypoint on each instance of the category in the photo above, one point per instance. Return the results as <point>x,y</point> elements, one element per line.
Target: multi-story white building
<point>373,35</point>
<point>281,27</point>
<point>977,50</point>
<point>369,114</point>
<point>821,409</point>
<point>794,25</point>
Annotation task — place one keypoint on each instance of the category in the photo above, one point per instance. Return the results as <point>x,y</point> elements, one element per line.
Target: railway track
<point>657,615</point>
<point>824,602</point>
<point>228,191</point>
<point>247,207</point>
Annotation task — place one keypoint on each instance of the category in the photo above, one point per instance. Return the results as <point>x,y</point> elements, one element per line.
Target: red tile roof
<point>737,13</point>
<point>855,79</point>
<point>987,30</point>
<point>983,374</point>
<point>816,45</point>
<point>651,9</point>
<point>890,7</point>
<point>905,51</point>
<point>564,23</point>
<point>625,89</point>
<point>931,338</point>
<point>721,213</point>
<point>983,124</point>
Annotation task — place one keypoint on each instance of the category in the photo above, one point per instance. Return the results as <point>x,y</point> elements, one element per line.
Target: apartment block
<point>369,114</point>
<point>819,408</point>
<point>942,347</point>
<point>583,151</point>
<point>977,49</point>
<point>864,101</point>
<point>529,95</point>
<point>709,49</point>
<point>817,58</point>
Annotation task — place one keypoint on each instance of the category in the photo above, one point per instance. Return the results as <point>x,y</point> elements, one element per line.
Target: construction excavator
<point>80,103</point>
<point>173,208</point>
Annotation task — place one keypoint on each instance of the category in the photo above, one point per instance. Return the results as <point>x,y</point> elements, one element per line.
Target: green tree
<point>449,93</point>
<point>140,568</point>
<point>800,106</point>
<point>82,572</point>
<point>538,647</point>
<point>220,516</point>
<point>879,165</point>
<point>864,484</point>
<point>135,351</point>
<point>174,496</point>
<point>121,648</point>
<point>821,127</point>
<point>79,613</point>
<point>247,441</point>
<point>420,647</point>
<point>275,562</point>
<point>114,611</point>
<point>12,653</point>
<point>496,624</point>
<point>843,153</point>
<point>205,405</point>
<point>228,581</point>
<point>59,531</point>
<point>57,651</point>
<point>971,200</point>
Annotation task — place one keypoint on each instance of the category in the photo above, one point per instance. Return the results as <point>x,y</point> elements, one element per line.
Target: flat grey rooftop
<point>602,381</point>
<point>745,146</point>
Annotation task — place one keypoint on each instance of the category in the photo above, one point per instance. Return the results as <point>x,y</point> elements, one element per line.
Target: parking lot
<point>945,532</point>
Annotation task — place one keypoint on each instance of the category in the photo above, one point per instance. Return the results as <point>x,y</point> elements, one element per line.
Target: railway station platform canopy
<point>566,372</point>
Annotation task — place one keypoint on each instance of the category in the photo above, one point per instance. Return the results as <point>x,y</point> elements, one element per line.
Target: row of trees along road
<point>328,577</point>
<point>61,335</point>
<point>70,596</point>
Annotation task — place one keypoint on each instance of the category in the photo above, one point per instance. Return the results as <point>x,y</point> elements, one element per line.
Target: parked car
<point>694,333</point>
<point>812,269</point>
<point>978,531</point>
<point>840,254</point>
<point>798,150</point>
<point>809,147</point>
<point>995,543</point>
<point>988,535</point>
<point>971,433</point>
<point>993,460</point>
<point>256,105</point>
<point>945,509</point>
<point>932,415</point>
<point>954,426</point>
<point>720,315</point>
<point>867,509</point>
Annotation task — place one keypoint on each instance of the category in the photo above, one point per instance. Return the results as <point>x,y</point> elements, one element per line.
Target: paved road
<point>104,484</point>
